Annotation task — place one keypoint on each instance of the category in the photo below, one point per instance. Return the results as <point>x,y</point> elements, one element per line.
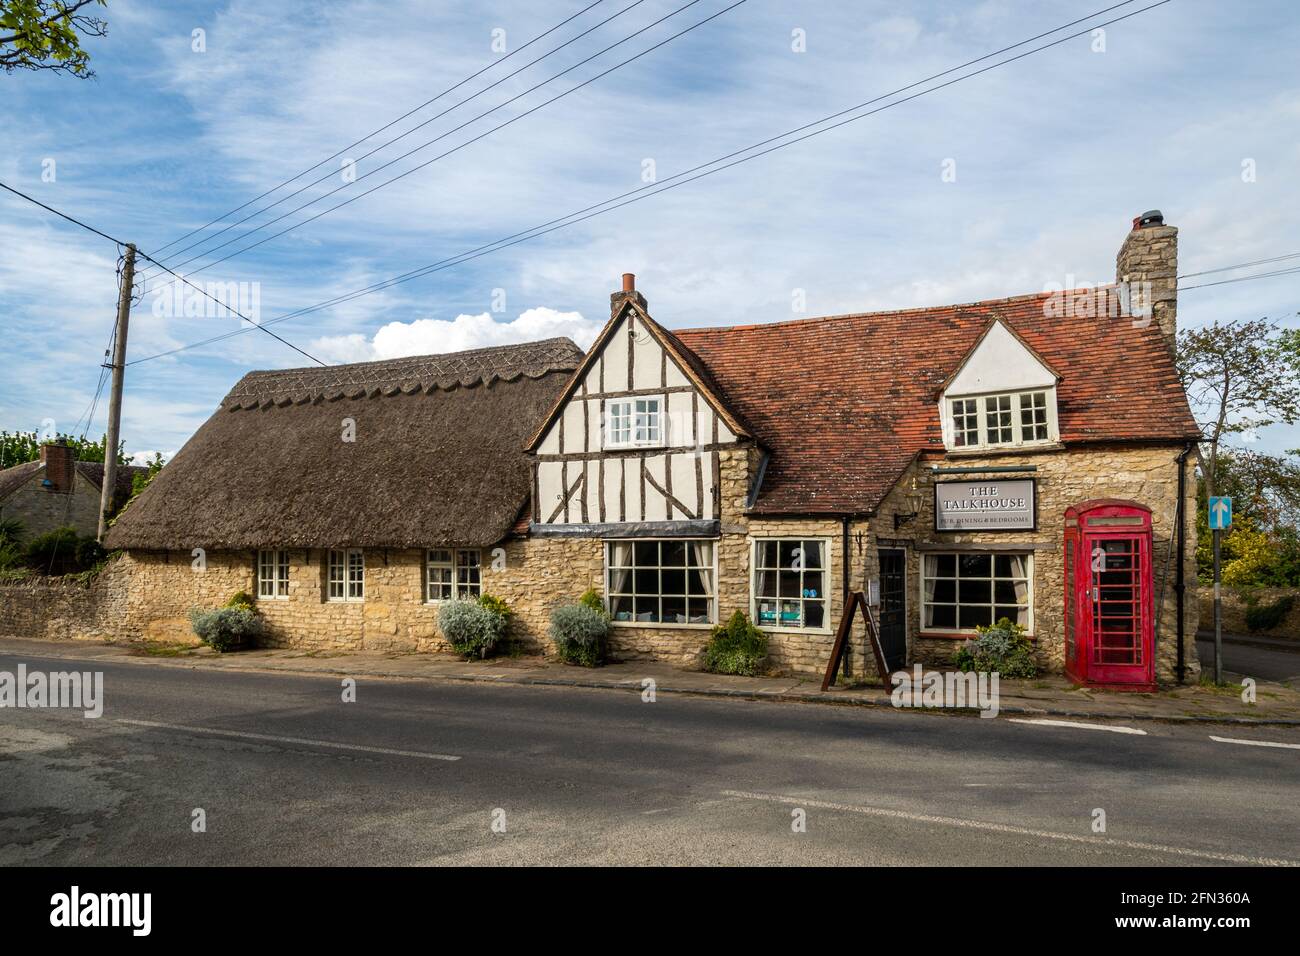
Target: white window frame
<point>345,580</point>
<point>711,598</point>
<point>272,575</point>
<point>989,404</point>
<point>623,422</point>
<point>922,577</point>
<point>824,599</point>
<point>461,563</point>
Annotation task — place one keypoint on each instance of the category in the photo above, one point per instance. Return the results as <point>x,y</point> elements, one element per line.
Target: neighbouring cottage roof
<point>437,457</point>
<point>845,403</point>
<point>11,479</point>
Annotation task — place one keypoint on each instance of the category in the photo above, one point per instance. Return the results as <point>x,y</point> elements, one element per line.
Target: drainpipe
<point>1180,585</point>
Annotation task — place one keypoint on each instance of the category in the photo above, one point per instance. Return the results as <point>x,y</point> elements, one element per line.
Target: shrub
<point>226,627</point>
<point>580,634</point>
<point>242,600</point>
<point>11,531</point>
<point>1265,617</point>
<point>496,605</point>
<point>737,647</point>
<point>89,554</point>
<point>1001,647</point>
<point>54,552</point>
<point>591,598</point>
<point>470,627</point>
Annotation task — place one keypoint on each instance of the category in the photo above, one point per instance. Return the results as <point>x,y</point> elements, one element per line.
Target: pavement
<point>1053,696</point>
<point>210,763</point>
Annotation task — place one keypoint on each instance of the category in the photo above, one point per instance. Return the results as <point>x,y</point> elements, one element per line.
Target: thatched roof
<point>437,459</point>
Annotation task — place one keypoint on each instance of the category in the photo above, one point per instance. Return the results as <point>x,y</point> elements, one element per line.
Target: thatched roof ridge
<point>409,376</point>
<point>437,457</point>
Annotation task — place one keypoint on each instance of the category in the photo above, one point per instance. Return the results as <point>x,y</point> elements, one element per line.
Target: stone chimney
<point>57,457</point>
<point>628,292</point>
<point>1148,264</point>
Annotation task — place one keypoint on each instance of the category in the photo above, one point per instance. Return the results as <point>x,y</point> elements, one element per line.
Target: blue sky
<point>1053,154</point>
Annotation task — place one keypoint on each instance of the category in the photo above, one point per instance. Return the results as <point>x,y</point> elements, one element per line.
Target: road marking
<point>271,738</point>
<point>1254,743</point>
<point>1074,723</point>
<point>1008,828</point>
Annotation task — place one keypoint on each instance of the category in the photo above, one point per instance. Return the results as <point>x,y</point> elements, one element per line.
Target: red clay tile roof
<point>844,403</point>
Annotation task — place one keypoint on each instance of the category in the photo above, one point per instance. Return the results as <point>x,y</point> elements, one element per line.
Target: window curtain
<point>1020,569</point>
<point>620,553</point>
<point>703,551</point>
<point>931,569</point>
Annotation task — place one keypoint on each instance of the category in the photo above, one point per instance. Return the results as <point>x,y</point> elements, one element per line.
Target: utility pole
<point>118,367</point>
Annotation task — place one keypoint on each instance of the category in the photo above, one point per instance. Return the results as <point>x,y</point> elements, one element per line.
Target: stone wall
<point>1235,603</point>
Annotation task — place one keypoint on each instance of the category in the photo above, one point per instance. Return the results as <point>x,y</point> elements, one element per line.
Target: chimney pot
<point>629,282</point>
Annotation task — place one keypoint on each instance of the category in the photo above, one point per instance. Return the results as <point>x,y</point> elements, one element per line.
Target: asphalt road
<point>286,772</point>
<point>1247,660</point>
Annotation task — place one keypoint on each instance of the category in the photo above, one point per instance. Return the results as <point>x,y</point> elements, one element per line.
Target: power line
<point>143,255</point>
<point>1240,265</point>
<point>455,149</point>
<point>390,142</point>
<point>390,125</point>
<point>654,189</point>
<point>1261,275</point>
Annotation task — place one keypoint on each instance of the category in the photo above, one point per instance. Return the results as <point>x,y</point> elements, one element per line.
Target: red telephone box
<point>1109,638</point>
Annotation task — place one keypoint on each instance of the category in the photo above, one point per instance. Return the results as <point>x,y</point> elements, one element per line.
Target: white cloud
<point>435,336</point>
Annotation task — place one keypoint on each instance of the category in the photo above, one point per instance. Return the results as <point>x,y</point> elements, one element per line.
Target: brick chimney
<point>1148,262</point>
<point>628,292</point>
<point>57,457</point>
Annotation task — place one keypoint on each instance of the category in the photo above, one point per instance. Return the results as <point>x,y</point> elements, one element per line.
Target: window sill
<point>819,631</point>
<point>987,451</point>
<point>345,600</point>
<point>957,635</point>
<point>654,625</point>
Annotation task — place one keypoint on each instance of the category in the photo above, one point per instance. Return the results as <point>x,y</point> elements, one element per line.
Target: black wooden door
<point>893,608</point>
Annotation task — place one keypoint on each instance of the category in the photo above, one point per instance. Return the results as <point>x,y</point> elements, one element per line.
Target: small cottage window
<point>997,419</point>
<point>661,582</point>
<point>789,585</point>
<point>962,591</point>
<point>633,422</point>
<point>965,422</point>
<point>453,574</point>
<point>1033,416</point>
<point>347,575</point>
<point>272,574</point>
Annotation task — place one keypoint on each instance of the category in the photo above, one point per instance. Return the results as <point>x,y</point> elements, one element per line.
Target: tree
<point>1245,375</point>
<point>46,35</point>
<point>18,447</point>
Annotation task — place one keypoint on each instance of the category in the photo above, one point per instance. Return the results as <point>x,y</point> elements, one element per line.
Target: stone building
<point>1028,458</point>
<point>58,491</point>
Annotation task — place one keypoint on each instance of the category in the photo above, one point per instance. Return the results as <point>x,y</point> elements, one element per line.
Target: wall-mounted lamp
<point>912,501</point>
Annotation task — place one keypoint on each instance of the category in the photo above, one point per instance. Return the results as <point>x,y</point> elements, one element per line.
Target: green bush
<point>54,552</point>
<point>470,627</point>
<point>737,647</point>
<point>242,600</point>
<point>1265,617</point>
<point>581,634</point>
<point>226,627</point>
<point>1001,648</point>
<point>591,598</point>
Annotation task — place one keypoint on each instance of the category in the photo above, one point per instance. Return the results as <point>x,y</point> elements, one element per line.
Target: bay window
<point>961,591</point>
<point>661,581</point>
<point>789,584</point>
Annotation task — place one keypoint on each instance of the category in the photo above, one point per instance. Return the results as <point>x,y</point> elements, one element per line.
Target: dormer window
<point>1001,395</point>
<point>634,423</point>
<point>1009,419</point>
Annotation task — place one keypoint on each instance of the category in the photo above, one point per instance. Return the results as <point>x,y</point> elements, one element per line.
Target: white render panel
<point>594,424</point>
<point>613,482</point>
<point>572,428</point>
<point>1000,363</point>
<point>684,483</point>
<point>648,371</point>
<point>548,488</point>
<point>615,358</point>
<point>656,507</point>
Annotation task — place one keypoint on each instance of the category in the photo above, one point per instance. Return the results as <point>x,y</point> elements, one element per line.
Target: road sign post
<point>1220,514</point>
